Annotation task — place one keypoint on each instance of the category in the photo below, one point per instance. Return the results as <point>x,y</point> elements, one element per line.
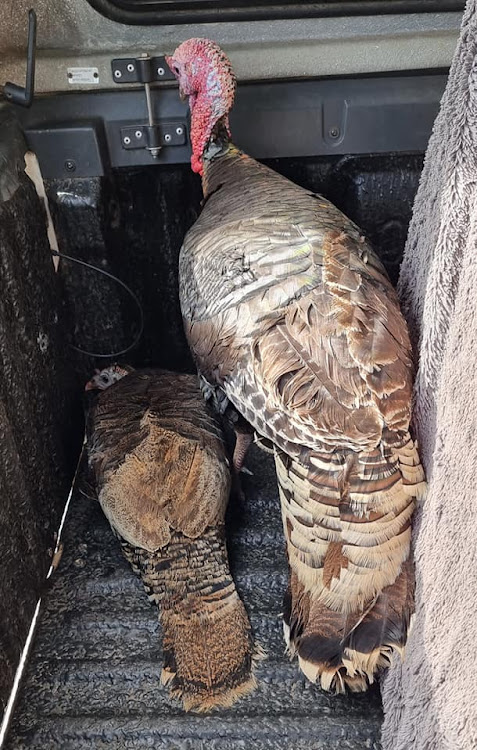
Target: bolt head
<point>138,133</point>
<point>334,132</point>
<point>167,137</point>
<point>70,165</point>
<point>179,130</point>
<point>130,67</point>
<point>117,74</point>
<point>126,140</point>
<point>160,71</point>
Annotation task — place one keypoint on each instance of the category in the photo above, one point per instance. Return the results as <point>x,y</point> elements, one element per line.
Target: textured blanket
<point>430,701</point>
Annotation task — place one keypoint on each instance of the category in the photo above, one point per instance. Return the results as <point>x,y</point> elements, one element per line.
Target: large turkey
<point>158,463</point>
<point>291,317</point>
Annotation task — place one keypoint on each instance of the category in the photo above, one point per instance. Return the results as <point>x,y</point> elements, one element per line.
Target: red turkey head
<point>205,75</point>
<point>102,379</point>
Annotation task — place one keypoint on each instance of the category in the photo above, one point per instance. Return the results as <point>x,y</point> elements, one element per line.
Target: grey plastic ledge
<point>259,50</point>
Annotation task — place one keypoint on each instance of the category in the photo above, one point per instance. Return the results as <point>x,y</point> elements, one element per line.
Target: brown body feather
<point>158,460</point>
<point>290,314</point>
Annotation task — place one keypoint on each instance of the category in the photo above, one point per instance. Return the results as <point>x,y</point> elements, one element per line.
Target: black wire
<point>129,291</point>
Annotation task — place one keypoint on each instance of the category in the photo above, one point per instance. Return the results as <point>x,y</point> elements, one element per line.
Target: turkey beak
<point>89,386</point>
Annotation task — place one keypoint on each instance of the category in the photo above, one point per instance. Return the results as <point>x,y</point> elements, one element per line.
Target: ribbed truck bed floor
<point>92,679</point>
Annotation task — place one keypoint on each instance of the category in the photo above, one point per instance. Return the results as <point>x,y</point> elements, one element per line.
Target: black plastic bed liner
<point>92,678</point>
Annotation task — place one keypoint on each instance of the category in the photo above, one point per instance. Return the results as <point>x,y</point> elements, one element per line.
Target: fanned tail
<point>346,518</point>
<point>207,639</point>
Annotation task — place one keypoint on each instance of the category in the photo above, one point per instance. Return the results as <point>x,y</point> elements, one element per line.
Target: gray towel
<point>430,702</point>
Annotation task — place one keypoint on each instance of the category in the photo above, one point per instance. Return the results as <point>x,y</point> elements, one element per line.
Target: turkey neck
<point>217,154</point>
<point>252,188</point>
<point>213,167</point>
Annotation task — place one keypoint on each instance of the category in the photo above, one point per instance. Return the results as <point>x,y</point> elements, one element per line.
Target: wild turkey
<point>157,457</point>
<point>291,316</point>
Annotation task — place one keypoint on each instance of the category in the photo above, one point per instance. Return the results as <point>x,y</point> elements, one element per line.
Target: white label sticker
<point>83,76</point>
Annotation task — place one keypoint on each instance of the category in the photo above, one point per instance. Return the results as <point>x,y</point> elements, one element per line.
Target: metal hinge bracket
<point>142,69</point>
<point>157,136</point>
<point>152,136</point>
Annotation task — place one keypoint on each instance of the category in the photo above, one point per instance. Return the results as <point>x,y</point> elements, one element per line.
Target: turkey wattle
<point>290,313</point>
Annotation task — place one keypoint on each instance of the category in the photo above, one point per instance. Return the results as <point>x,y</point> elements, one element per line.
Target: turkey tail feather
<point>207,640</point>
<point>346,517</point>
<point>347,651</point>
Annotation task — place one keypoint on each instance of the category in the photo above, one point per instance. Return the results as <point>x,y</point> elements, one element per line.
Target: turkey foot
<point>243,442</point>
<point>244,434</point>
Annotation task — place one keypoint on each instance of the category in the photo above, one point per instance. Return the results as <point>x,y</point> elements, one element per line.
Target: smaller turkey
<point>157,461</point>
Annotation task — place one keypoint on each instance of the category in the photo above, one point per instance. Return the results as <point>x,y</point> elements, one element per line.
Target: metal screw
<point>179,131</point>
<point>167,137</point>
<point>127,140</point>
<point>334,132</point>
<point>130,67</point>
<point>70,165</point>
<point>138,134</point>
<point>160,71</point>
<point>117,74</point>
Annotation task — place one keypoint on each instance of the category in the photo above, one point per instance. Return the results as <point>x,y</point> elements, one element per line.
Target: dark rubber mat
<point>92,679</point>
